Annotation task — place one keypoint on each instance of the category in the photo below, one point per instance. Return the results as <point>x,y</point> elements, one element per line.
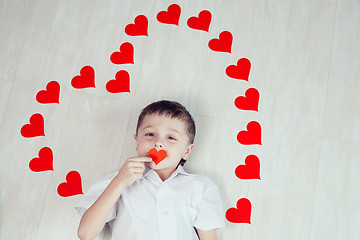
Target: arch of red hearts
<point>251,169</point>
<point>121,83</point>
<point>242,212</point>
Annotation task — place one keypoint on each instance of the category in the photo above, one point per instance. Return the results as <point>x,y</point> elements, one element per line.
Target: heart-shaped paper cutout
<point>157,156</point>
<point>35,128</point>
<point>72,186</point>
<point>171,16</point>
<point>223,44</point>
<point>251,169</point>
<point>86,78</point>
<point>240,214</point>
<point>50,95</point>
<point>44,162</point>
<point>200,23</point>
<point>241,70</point>
<point>250,101</point>
<point>126,54</point>
<point>138,28</point>
<point>252,135</point>
<point>121,83</point>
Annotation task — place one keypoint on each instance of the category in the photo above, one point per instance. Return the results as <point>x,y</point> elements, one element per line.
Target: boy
<point>149,201</point>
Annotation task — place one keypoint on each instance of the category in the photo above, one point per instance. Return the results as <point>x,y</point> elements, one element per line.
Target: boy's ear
<point>136,141</point>
<point>188,151</point>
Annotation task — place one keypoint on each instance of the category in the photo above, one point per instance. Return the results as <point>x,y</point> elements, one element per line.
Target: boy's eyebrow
<point>146,127</point>
<point>170,129</point>
<point>175,131</point>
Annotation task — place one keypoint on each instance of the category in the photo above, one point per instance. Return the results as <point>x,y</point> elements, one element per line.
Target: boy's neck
<point>164,174</point>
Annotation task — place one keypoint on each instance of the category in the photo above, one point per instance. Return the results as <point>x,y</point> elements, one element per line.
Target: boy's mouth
<point>157,156</point>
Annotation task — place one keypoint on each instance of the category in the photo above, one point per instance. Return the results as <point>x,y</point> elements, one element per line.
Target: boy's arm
<point>207,235</point>
<point>94,219</point>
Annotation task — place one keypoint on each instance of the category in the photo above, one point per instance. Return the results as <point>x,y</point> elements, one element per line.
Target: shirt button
<point>166,213</point>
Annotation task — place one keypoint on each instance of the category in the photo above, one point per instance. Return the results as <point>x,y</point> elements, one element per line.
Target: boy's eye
<point>151,134</point>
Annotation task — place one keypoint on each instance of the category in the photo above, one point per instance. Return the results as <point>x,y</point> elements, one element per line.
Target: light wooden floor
<point>305,59</point>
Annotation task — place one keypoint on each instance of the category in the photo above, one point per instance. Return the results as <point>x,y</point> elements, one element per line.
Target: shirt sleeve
<point>209,210</point>
<point>94,193</point>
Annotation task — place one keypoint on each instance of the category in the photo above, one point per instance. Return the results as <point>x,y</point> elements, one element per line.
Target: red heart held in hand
<point>241,70</point>
<point>85,79</point>
<point>50,95</point>
<point>44,162</point>
<point>121,83</point>
<point>171,16</point>
<point>72,186</point>
<point>126,54</point>
<point>157,156</point>
<point>252,135</point>
<point>200,23</point>
<point>250,101</point>
<point>223,44</point>
<point>35,128</point>
<point>251,169</point>
<point>138,28</point>
<point>240,214</point>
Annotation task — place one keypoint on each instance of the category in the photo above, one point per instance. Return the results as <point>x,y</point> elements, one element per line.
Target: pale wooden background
<point>305,63</point>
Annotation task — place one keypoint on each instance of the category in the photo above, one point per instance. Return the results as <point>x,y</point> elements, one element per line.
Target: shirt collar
<point>178,170</point>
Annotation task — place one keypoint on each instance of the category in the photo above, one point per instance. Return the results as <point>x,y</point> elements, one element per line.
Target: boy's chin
<point>154,166</point>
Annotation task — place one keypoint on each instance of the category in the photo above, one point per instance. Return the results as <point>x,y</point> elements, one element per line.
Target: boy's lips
<point>157,156</point>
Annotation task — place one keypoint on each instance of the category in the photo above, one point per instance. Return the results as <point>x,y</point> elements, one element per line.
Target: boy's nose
<point>157,144</point>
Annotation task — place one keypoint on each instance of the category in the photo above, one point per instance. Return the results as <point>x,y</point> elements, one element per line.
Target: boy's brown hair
<point>170,109</point>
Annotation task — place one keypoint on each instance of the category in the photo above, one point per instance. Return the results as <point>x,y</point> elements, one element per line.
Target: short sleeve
<point>94,193</point>
<point>209,210</point>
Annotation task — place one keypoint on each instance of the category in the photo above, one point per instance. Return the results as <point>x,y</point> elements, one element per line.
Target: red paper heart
<point>223,44</point>
<point>85,79</point>
<point>50,95</point>
<point>35,128</point>
<point>126,54</point>
<point>251,169</point>
<point>121,83</point>
<point>239,71</point>
<point>157,156</point>
<point>240,214</point>
<point>250,101</point>
<point>72,186</point>
<point>171,16</point>
<point>252,135</point>
<point>138,28</point>
<point>44,162</point>
<point>202,22</point>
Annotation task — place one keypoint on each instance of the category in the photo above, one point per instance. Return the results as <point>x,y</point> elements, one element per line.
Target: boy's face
<point>165,133</point>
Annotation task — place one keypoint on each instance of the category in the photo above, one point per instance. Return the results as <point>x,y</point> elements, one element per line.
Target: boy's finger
<point>142,159</point>
<point>148,159</point>
<point>138,169</point>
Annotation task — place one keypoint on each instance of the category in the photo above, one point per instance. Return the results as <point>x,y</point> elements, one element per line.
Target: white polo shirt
<point>151,209</point>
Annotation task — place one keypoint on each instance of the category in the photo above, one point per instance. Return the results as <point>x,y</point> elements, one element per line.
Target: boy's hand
<point>132,170</point>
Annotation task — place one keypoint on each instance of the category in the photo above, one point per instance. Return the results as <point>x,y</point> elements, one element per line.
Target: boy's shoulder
<point>198,177</point>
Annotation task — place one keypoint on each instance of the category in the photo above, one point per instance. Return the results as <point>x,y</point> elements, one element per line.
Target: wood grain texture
<point>342,108</point>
